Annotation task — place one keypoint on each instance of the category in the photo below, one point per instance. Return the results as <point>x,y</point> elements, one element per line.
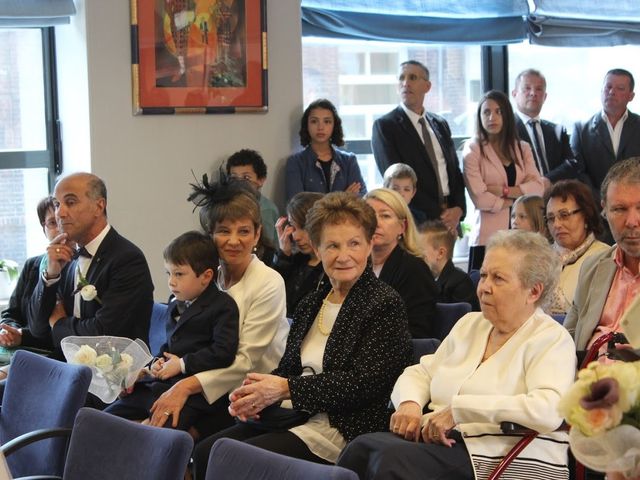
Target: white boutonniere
<point>87,291</point>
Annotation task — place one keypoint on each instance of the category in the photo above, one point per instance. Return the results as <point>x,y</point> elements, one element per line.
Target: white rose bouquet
<point>115,362</point>
<point>603,409</point>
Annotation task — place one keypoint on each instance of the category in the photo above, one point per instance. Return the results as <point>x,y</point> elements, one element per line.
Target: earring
<point>255,248</point>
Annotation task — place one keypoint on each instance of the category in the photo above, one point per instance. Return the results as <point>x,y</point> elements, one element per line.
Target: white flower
<point>88,293</point>
<point>126,361</point>
<point>85,356</point>
<point>104,363</point>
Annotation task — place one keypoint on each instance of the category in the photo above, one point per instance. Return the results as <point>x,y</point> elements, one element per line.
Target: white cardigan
<point>522,383</point>
<point>263,330</point>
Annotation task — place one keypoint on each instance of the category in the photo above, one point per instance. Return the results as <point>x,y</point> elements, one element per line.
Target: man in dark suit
<point>118,293</point>
<point>609,136</point>
<point>549,141</point>
<point>408,134</point>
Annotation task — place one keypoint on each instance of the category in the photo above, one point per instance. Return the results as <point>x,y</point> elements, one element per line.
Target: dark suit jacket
<point>456,286</point>
<point>395,140</point>
<point>366,351</point>
<point>299,277</point>
<point>17,311</point>
<point>562,164</point>
<point>591,144</point>
<point>206,335</point>
<point>411,278</point>
<point>121,276</point>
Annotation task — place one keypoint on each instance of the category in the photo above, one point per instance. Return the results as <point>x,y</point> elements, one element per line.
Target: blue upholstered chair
<point>447,314</point>
<point>423,346</point>
<point>157,327</point>
<point>474,275</point>
<point>238,460</point>
<point>107,447</point>
<point>40,394</point>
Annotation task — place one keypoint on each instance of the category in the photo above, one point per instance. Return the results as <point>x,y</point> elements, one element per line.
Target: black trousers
<point>285,443</point>
<point>137,406</point>
<point>385,456</point>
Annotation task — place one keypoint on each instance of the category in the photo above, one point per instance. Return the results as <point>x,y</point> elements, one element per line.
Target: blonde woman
<point>397,259</point>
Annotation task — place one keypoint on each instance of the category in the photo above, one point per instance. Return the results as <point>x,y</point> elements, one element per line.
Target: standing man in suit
<point>409,134</point>
<point>118,294</point>
<point>610,135</point>
<point>607,295</point>
<point>549,141</point>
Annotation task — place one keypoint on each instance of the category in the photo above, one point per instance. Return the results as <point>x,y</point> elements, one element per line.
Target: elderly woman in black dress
<point>348,343</point>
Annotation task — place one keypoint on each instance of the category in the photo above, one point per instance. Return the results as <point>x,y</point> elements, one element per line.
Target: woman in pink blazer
<point>498,168</point>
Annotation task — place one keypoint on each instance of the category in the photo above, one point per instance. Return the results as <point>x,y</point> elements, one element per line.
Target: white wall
<point>146,161</point>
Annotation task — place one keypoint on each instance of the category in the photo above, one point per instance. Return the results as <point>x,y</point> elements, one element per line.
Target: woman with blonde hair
<point>397,259</point>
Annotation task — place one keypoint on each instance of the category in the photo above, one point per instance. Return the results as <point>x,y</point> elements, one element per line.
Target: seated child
<point>202,331</point>
<point>402,178</point>
<point>454,284</point>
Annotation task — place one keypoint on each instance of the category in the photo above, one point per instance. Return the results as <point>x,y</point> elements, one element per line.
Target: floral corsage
<point>87,291</point>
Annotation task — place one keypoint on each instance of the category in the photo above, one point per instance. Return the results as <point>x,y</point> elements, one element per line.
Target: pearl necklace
<point>319,323</point>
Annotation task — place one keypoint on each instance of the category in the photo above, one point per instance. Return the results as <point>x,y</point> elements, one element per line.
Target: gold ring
<point>57,250</point>
<point>167,414</point>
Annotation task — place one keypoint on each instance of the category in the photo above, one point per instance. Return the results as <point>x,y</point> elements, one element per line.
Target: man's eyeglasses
<point>562,215</point>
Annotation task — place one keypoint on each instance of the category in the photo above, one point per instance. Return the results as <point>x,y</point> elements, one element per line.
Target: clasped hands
<point>165,368</point>
<point>406,422</point>
<point>257,392</point>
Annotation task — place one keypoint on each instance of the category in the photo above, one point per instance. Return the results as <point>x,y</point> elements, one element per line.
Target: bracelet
<point>505,192</point>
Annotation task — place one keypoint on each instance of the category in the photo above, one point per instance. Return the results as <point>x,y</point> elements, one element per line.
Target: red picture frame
<point>199,56</point>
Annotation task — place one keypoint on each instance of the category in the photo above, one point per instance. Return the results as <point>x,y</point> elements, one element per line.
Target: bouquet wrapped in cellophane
<point>115,362</point>
<point>603,409</point>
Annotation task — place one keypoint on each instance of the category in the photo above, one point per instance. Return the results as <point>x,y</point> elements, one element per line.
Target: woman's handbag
<point>275,418</point>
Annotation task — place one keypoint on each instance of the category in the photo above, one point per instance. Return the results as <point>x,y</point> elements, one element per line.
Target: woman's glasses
<point>562,216</point>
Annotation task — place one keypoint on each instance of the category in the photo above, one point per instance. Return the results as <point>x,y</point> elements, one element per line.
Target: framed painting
<point>199,56</point>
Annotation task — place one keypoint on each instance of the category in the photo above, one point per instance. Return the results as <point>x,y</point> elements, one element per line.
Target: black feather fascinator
<point>210,197</point>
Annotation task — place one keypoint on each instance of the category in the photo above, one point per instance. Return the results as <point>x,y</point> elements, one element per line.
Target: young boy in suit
<point>437,244</point>
<point>201,326</point>
<point>402,178</point>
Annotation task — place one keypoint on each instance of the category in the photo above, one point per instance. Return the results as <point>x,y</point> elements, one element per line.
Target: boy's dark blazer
<point>206,335</point>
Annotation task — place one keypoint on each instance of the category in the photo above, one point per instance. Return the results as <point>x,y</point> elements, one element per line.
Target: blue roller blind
<point>425,21</point>
<point>551,22</point>
<point>35,13</point>
<point>575,23</point>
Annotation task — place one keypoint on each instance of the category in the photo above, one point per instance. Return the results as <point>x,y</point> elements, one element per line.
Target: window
<point>26,138</point>
<point>361,79</point>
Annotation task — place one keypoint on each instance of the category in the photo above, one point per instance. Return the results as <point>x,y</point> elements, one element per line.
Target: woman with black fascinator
<point>231,215</point>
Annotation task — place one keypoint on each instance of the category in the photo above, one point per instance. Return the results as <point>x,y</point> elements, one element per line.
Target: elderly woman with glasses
<point>15,331</point>
<point>573,220</point>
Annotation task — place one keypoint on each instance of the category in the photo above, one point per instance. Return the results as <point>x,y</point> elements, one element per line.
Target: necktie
<point>428,145</point>
<point>539,151</point>
<point>83,258</point>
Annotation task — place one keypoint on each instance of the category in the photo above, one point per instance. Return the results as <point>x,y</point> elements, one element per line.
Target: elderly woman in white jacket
<point>512,362</point>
